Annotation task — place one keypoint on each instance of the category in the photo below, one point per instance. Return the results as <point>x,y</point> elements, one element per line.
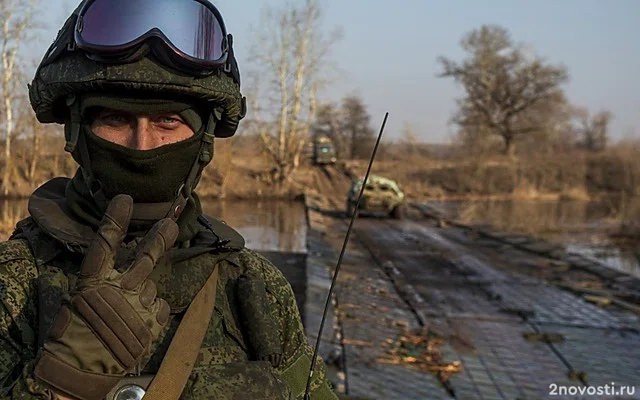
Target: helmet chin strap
<point>205,155</point>
<point>141,211</point>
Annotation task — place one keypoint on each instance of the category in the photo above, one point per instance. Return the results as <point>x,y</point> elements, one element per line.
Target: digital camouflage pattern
<point>32,284</point>
<point>62,73</point>
<point>77,74</point>
<point>41,262</point>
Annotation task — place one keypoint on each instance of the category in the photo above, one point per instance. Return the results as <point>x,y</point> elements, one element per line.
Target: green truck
<point>324,152</point>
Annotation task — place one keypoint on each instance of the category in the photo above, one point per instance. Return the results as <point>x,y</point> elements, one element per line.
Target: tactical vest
<point>227,353</point>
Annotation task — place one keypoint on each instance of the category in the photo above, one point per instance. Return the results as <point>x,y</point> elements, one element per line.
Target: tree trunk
<point>509,146</point>
<point>35,154</point>
<point>353,144</point>
<point>13,29</point>
<point>290,51</point>
<point>6,177</point>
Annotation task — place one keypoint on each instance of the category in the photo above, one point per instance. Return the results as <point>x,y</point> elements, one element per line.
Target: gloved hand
<point>108,325</point>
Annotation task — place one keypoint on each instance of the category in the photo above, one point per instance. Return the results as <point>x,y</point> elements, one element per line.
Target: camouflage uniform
<point>31,289</point>
<point>40,264</point>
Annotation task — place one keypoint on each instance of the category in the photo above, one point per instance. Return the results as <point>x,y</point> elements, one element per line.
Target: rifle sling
<point>184,348</point>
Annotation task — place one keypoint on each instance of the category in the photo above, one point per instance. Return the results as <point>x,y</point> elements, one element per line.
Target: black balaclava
<point>148,176</point>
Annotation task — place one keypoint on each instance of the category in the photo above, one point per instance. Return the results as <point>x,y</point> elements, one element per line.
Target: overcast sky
<point>389,50</point>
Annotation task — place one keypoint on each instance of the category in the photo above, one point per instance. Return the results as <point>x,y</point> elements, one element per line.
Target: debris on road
<point>420,348</point>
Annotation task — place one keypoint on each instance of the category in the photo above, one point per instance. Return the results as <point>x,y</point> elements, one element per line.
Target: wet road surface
<point>404,274</point>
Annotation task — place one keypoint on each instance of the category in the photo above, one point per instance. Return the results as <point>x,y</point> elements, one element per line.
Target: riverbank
<point>240,171</point>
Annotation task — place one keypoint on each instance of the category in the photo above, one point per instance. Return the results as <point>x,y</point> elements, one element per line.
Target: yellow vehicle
<point>381,195</point>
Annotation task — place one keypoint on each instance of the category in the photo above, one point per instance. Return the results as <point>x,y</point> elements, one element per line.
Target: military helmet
<point>78,63</point>
<point>156,48</point>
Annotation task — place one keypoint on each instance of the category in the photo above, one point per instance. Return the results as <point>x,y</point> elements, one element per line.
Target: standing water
<point>265,225</point>
<point>585,228</point>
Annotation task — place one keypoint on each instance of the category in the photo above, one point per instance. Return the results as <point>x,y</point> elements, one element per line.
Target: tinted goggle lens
<point>190,27</point>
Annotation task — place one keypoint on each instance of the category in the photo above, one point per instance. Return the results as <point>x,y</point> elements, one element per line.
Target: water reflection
<point>11,211</point>
<point>583,227</point>
<point>533,217</point>
<point>267,225</point>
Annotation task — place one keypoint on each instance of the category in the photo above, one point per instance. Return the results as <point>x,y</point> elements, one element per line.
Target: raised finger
<point>148,293</point>
<point>111,232</point>
<point>156,242</point>
<point>162,310</point>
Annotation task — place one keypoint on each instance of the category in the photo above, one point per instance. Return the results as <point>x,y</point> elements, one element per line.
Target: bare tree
<point>36,148</point>
<point>356,125</point>
<point>292,51</point>
<point>410,142</point>
<point>551,132</point>
<point>27,137</point>
<point>594,129</point>
<point>502,83</point>
<point>15,17</point>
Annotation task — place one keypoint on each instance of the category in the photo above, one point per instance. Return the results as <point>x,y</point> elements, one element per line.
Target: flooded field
<point>266,226</point>
<point>582,227</point>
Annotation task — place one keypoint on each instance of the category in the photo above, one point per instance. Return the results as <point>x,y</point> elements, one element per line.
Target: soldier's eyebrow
<point>93,113</point>
<point>112,111</point>
<point>168,114</point>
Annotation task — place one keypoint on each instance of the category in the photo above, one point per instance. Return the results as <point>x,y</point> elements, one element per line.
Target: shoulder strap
<point>184,348</point>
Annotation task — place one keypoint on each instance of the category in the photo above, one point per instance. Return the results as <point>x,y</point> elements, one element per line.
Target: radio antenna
<point>337,270</point>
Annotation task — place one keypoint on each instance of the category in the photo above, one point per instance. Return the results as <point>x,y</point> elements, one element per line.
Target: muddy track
<point>332,181</point>
<point>497,322</point>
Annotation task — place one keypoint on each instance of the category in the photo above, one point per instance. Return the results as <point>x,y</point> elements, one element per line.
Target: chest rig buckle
<point>131,388</point>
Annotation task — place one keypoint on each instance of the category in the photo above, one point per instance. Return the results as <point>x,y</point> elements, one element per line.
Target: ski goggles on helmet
<point>192,31</point>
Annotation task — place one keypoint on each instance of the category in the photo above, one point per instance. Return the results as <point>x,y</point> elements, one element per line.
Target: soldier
<point>117,283</point>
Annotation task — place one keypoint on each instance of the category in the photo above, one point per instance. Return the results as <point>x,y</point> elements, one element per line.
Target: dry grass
<point>575,194</point>
<point>629,218</point>
<point>9,217</point>
<point>240,170</point>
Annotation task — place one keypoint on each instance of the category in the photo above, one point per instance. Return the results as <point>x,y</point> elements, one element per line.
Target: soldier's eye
<point>169,121</point>
<point>114,119</point>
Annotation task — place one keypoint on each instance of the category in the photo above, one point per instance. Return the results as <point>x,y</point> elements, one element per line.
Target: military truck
<point>324,151</point>
<point>381,195</point>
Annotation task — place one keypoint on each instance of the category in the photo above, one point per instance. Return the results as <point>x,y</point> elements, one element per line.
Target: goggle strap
<point>73,130</point>
<point>208,137</point>
<point>231,66</point>
<point>243,108</point>
<point>227,66</point>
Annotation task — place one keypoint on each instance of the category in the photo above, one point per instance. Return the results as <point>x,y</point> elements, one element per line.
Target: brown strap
<point>184,348</point>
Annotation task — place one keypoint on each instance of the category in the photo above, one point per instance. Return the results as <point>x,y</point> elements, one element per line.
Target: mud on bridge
<point>500,331</point>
